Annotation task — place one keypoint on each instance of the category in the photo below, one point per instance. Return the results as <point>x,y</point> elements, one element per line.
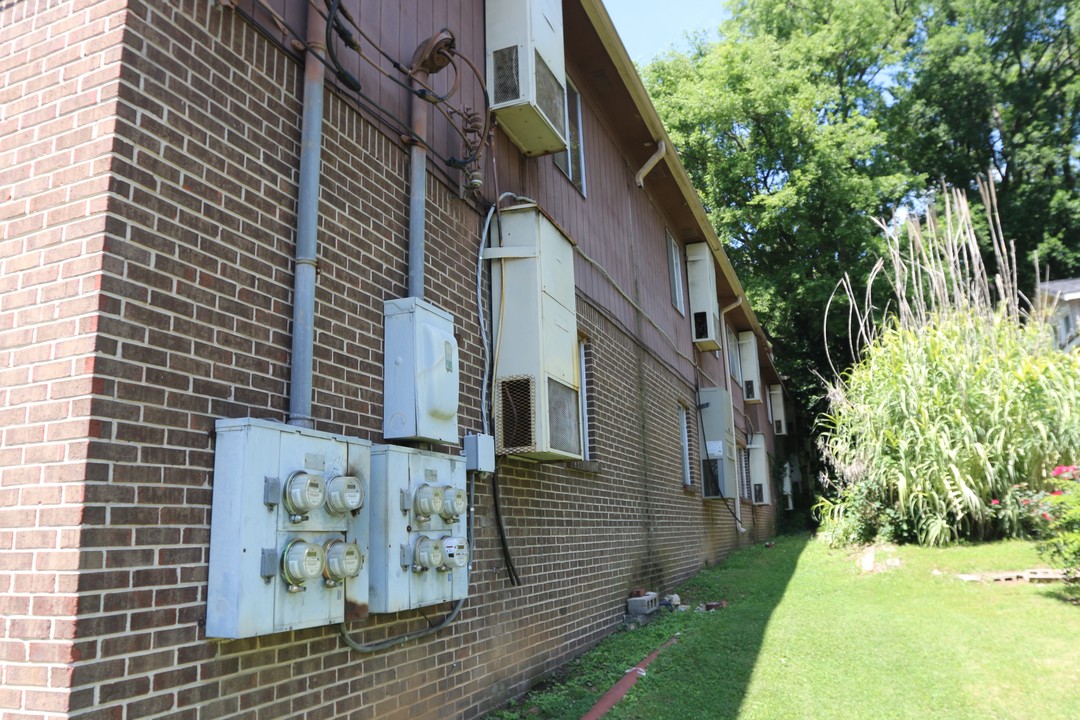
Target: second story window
<point>572,160</point>
<point>674,254</point>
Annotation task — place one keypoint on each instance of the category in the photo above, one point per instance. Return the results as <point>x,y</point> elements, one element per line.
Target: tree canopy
<point>801,122</point>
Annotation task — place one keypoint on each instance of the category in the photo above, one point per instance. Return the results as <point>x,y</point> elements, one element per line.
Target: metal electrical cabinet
<point>419,545</point>
<point>289,529</point>
<point>421,377</point>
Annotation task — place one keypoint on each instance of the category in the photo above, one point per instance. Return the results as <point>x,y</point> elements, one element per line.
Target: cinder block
<point>643,605</point>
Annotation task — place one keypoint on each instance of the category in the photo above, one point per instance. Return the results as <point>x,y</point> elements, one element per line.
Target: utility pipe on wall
<point>307,221</point>
<point>417,185</point>
<point>661,148</point>
<point>731,397</point>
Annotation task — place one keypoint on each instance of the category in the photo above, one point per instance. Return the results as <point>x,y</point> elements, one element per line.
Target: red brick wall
<point>148,292</point>
<point>59,67</point>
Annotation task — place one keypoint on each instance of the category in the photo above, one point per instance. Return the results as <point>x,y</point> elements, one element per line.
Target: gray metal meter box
<point>421,378</point>
<point>419,537</point>
<point>289,529</point>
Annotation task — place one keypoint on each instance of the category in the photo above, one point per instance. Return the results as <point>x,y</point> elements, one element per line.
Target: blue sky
<point>649,27</point>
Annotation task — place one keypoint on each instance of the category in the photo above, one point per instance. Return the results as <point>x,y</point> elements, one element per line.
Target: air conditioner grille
<point>514,429</point>
<point>750,390</point>
<point>507,83</point>
<point>759,493</point>
<point>550,96</point>
<point>564,418</point>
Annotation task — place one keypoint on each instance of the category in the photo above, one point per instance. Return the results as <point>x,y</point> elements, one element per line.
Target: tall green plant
<point>958,396</point>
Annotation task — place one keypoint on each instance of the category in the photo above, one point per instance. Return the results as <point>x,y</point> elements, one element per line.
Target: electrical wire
<point>708,463</point>
<point>343,628</point>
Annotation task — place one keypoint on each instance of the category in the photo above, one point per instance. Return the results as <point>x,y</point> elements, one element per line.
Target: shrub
<point>1060,543</point>
<point>956,402</point>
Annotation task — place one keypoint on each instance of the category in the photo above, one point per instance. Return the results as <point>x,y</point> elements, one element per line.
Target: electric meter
<point>344,494</point>
<point>455,552</point>
<point>301,561</point>
<point>428,501</point>
<point>427,554</point>
<point>344,560</point>
<point>303,493</point>
<point>455,503</point>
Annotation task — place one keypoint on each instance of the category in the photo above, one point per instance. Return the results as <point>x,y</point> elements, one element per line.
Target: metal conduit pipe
<point>731,398</point>
<point>307,221</point>
<point>417,187</point>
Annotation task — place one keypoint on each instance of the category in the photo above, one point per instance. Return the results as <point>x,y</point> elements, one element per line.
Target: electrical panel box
<point>751,367</point>
<point>717,443</point>
<point>704,305</point>
<point>779,414</point>
<point>420,552</point>
<point>537,373</point>
<point>480,453</point>
<point>421,378</point>
<point>288,531</point>
<point>526,72</point>
<point>760,479</point>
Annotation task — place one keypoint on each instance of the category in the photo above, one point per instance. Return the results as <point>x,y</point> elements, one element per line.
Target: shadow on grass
<point>706,674</point>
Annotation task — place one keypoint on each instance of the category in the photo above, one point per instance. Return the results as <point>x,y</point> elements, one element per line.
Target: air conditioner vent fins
<point>507,86</point>
<point>550,96</point>
<point>564,417</point>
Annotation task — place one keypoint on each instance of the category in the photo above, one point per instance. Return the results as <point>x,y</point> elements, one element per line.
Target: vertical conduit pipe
<point>417,186</point>
<point>307,221</point>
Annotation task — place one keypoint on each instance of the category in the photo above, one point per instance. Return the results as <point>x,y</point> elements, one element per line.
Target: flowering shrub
<point>1059,514</point>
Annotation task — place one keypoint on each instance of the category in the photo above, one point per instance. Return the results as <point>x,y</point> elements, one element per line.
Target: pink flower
<point>1064,470</point>
<point>1046,516</point>
<point>1058,492</point>
<point>1025,501</point>
<point>995,501</point>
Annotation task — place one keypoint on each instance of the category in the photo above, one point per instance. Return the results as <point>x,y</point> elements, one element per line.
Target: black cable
<point>511,571</point>
<point>333,24</point>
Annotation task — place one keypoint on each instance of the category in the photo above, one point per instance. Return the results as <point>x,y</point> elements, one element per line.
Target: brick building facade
<point>149,159</point>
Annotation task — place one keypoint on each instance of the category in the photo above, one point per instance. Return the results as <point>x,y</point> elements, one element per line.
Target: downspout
<point>731,398</point>
<point>661,148</point>
<point>307,220</point>
<point>417,183</point>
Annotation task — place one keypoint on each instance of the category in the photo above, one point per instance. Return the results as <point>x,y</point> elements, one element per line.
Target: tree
<point>994,86</point>
<point>776,125</point>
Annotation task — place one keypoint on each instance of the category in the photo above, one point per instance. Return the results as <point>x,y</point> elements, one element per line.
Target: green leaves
<point>953,403</point>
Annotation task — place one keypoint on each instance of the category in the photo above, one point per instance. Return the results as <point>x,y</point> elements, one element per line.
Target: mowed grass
<point>805,634</point>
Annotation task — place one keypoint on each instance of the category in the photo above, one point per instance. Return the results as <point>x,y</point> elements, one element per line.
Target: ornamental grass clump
<point>959,395</point>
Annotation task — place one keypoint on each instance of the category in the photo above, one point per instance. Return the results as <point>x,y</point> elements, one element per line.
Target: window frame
<point>684,438</point>
<point>573,167</point>
<point>584,387</point>
<point>675,273</point>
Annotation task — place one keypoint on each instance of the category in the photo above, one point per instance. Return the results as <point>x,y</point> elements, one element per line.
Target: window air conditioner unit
<point>704,306</point>
<point>759,470</point>
<point>537,385</point>
<point>751,369</point>
<point>526,72</point>
<point>776,397</point>
<point>717,444</point>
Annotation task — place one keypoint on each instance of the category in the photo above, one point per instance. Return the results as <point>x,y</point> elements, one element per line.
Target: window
<point>684,437</point>
<point>585,367</point>
<point>675,273</point>
<point>572,160</point>
<point>744,473</point>
<point>733,355</point>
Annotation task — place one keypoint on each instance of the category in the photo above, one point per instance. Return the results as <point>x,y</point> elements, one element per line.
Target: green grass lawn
<point>806,635</point>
